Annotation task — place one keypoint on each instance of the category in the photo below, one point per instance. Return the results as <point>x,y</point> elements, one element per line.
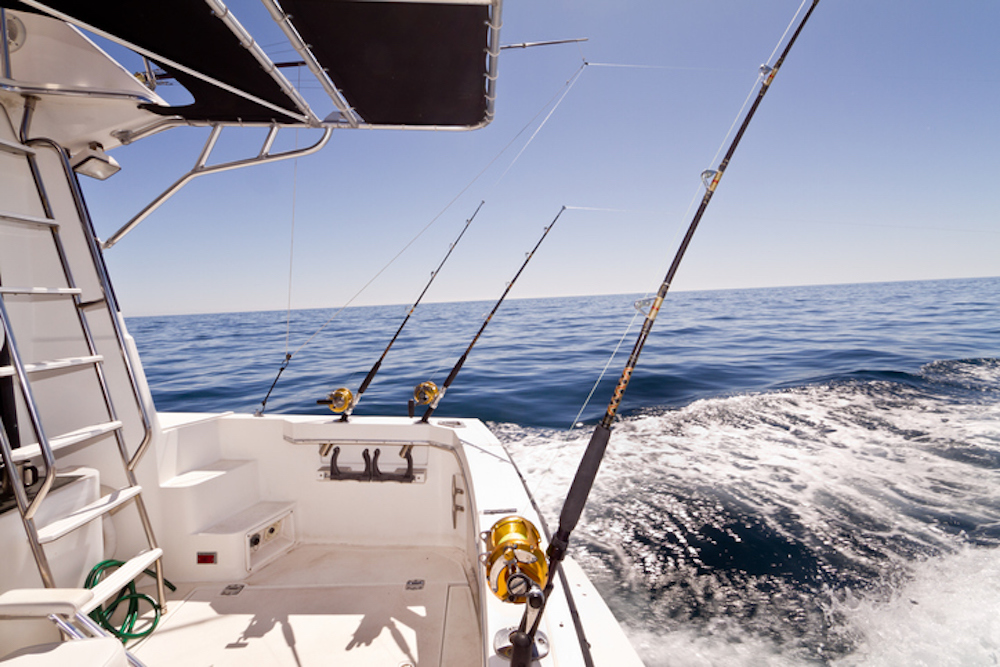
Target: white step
<point>51,291</point>
<point>207,494</point>
<point>16,148</point>
<point>53,364</point>
<point>23,218</point>
<point>67,439</point>
<point>85,515</point>
<point>120,578</point>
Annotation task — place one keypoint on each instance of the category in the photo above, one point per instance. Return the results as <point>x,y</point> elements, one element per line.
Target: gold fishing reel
<point>425,392</point>
<point>514,560</point>
<point>340,399</point>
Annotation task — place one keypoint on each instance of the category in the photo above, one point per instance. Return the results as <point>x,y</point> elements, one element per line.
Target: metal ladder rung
<point>121,578</point>
<point>28,219</point>
<point>52,291</point>
<point>67,439</point>
<point>85,515</point>
<point>68,362</point>
<point>15,148</point>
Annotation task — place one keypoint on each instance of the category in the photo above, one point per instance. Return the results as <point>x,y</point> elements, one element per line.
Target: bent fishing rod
<point>583,481</point>
<point>341,400</point>
<point>426,392</point>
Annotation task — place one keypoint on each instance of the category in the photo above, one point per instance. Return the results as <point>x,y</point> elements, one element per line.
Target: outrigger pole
<point>587,470</point>
<point>436,394</point>
<point>352,402</point>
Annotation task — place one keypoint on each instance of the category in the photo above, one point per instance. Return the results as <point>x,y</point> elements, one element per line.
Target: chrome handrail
<point>200,169</point>
<point>28,509</point>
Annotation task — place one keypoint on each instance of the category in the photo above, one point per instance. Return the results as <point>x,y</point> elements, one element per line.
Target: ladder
<point>15,369</point>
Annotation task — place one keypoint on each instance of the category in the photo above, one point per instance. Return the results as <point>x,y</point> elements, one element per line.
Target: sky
<point>872,158</point>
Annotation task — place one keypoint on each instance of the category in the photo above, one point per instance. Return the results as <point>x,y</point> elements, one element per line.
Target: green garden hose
<point>102,615</point>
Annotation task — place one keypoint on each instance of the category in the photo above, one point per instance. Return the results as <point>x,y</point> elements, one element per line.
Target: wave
<point>752,528</point>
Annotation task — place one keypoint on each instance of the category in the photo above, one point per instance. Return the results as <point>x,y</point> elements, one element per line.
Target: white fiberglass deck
<point>323,605</point>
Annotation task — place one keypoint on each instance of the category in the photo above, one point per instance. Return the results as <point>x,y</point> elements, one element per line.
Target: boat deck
<point>326,604</point>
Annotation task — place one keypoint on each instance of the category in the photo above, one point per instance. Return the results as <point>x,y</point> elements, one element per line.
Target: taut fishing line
<point>560,95</point>
<point>522,640</point>
<point>694,197</point>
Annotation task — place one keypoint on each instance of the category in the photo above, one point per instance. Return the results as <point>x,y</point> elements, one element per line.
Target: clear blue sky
<point>873,158</point>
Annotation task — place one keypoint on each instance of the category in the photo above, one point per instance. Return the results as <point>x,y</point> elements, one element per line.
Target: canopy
<point>395,63</point>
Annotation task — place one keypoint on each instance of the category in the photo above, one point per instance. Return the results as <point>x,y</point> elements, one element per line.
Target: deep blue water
<point>803,475</point>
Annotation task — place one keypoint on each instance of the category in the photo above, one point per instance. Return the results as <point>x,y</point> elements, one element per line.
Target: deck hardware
<point>232,589</point>
<point>338,474</point>
<point>371,473</point>
<point>456,491</point>
<point>504,646</point>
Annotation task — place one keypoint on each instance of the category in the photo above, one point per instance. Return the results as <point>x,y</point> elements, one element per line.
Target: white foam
<point>882,476</point>
<point>948,614</point>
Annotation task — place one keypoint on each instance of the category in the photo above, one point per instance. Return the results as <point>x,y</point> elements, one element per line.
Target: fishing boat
<point>134,536</point>
<point>240,538</point>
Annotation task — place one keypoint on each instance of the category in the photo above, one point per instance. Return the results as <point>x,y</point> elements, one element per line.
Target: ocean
<point>799,476</point>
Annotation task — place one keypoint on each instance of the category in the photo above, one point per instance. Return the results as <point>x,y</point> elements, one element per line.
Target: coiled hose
<point>102,615</point>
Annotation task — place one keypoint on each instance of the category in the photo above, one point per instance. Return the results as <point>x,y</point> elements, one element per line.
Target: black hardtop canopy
<point>399,63</point>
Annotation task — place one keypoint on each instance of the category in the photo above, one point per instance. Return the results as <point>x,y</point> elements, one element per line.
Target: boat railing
<point>16,455</point>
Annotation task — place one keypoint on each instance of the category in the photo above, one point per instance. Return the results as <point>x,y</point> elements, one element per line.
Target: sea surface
<point>799,476</point>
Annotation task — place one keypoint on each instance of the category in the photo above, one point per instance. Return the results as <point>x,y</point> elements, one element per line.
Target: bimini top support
<point>200,169</point>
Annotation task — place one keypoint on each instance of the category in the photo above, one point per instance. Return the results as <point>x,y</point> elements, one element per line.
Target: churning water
<point>800,476</point>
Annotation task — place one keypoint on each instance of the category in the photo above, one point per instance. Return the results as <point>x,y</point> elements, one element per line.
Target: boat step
<point>85,515</point>
<point>67,439</point>
<point>27,219</point>
<point>53,364</point>
<point>120,578</point>
<point>51,291</point>
<point>8,146</point>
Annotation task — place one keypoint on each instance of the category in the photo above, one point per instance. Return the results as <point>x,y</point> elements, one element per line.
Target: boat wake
<point>851,520</point>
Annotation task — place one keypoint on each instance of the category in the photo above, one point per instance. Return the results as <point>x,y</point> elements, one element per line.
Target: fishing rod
<point>341,400</point>
<point>427,392</point>
<point>523,638</point>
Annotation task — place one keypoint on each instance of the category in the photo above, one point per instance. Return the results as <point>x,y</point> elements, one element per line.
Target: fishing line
<point>434,397</point>
<point>586,473</point>
<point>561,94</point>
<point>576,420</point>
<point>342,398</point>
<point>677,68</point>
<point>291,246</point>
<point>291,260</point>
<point>788,29</point>
<point>450,204</point>
<point>566,88</point>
